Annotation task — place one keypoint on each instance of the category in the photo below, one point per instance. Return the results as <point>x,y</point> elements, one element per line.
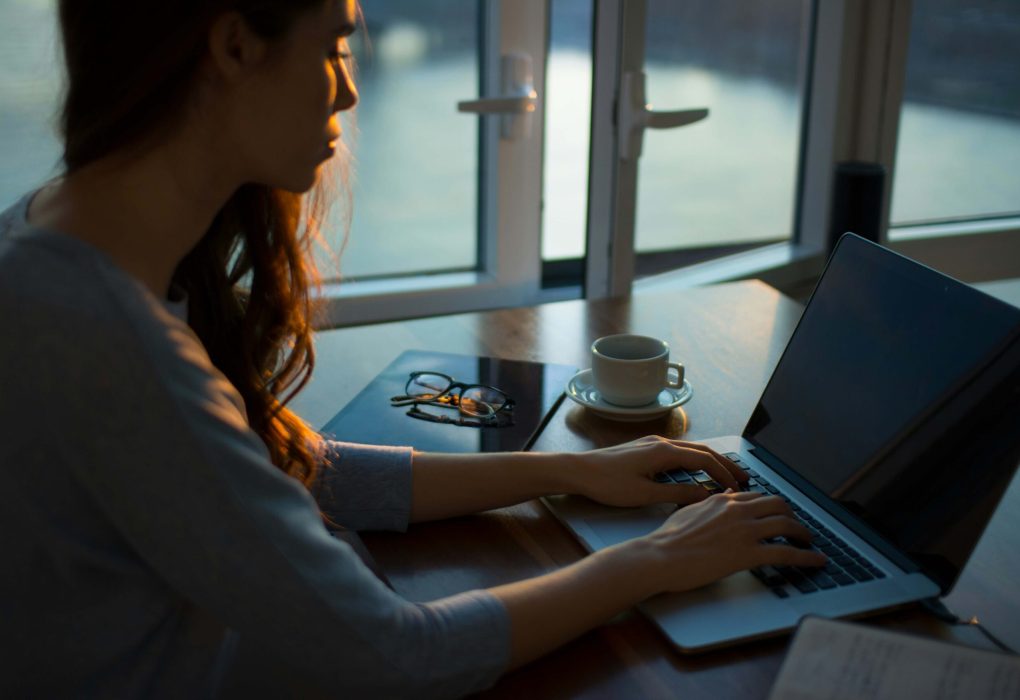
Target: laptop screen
<point>898,396</point>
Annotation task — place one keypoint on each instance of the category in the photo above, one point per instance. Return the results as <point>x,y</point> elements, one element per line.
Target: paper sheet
<point>833,660</point>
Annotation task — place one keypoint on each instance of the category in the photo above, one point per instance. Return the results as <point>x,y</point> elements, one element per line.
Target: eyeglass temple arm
<point>411,400</point>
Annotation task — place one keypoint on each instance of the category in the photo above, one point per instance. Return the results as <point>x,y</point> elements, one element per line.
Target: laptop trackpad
<point>613,528</point>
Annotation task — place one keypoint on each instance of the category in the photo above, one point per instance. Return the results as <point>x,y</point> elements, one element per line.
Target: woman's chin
<point>298,179</point>
<point>297,185</point>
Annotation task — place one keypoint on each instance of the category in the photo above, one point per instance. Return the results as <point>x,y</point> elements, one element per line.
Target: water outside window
<point>959,136</point>
<point>416,157</point>
<point>30,84</point>
<point>730,178</point>
<point>567,130</point>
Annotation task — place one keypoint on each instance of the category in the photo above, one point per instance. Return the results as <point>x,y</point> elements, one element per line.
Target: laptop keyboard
<point>846,566</point>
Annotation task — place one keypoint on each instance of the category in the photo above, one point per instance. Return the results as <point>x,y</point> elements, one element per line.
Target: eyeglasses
<point>491,407</point>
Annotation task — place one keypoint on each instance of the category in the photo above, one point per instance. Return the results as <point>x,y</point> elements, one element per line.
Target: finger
<point>785,555</point>
<point>739,474</point>
<point>682,494</point>
<point>780,526</point>
<point>733,467</point>
<point>764,506</point>
<point>714,464</point>
<point>695,458</point>
<point>747,495</point>
<point>744,495</point>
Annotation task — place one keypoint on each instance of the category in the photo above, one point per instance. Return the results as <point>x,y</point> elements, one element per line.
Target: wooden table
<point>730,337</point>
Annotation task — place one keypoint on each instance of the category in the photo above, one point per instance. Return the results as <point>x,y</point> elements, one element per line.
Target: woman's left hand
<point>622,475</point>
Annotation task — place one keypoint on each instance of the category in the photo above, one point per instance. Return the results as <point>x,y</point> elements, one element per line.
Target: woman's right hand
<point>698,544</point>
<point>723,534</point>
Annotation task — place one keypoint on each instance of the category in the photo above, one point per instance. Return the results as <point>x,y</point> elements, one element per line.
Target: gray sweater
<point>144,531</point>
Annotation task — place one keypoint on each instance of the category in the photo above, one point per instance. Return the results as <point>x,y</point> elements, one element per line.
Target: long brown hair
<point>131,69</point>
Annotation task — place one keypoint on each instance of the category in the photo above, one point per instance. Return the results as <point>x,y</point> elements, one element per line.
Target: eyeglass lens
<point>475,400</point>
<point>427,386</point>
<point>481,401</point>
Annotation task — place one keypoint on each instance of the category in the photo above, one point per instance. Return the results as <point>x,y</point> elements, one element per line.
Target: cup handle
<point>679,375</point>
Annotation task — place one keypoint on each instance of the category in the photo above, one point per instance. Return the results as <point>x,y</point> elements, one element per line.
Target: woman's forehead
<point>344,14</point>
<point>333,17</point>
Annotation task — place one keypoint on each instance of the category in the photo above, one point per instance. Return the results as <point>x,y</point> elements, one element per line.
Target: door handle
<point>500,105</point>
<point>517,102</point>
<point>635,115</point>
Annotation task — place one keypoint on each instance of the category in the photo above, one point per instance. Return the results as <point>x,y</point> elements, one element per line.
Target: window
<point>726,183</point>
<point>731,178</point>
<point>959,132</point>
<point>496,258</point>
<point>29,87</point>
<point>447,214</point>
<point>927,89</point>
<point>737,76</point>
<point>417,158</point>
<point>459,211</point>
<point>567,136</point>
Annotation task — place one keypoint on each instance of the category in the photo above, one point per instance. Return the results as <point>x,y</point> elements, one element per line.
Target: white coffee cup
<point>631,370</point>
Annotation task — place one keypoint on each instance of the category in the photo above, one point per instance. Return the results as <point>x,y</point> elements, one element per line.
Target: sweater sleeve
<point>365,487</point>
<point>174,467</point>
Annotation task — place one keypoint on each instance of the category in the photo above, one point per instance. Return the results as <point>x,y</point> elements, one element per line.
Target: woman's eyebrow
<point>345,29</point>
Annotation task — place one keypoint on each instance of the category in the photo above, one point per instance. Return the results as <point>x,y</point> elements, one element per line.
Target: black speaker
<point>857,200</point>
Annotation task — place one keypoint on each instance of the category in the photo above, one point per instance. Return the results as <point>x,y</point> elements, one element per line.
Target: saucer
<point>581,390</point>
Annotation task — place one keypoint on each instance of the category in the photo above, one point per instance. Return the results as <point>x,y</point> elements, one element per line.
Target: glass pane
<point>567,129</point>
<point>730,178</point>
<point>416,157</point>
<point>959,135</point>
<point>29,88</point>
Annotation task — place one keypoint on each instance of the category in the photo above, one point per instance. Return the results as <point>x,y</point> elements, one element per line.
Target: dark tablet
<point>535,387</point>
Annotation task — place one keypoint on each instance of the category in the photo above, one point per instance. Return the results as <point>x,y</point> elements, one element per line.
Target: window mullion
<point>612,182</point>
<point>856,74</point>
<point>513,250</point>
<point>488,141</point>
<point>602,155</point>
<point>873,77</point>
<point>828,36</point>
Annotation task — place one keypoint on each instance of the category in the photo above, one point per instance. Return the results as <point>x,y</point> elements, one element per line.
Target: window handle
<point>635,115</point>
<point>500,105</point>
<point>518,101</point>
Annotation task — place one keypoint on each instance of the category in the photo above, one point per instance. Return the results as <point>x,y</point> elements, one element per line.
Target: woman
<point>157,492</point>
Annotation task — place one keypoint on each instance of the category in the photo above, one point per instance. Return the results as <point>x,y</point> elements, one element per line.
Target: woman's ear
<point>234,48</point>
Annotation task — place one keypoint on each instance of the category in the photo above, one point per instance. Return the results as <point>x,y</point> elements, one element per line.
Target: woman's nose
<point>346,91</point>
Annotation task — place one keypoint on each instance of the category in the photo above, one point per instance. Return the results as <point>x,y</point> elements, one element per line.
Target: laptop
<point>891,424</point>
